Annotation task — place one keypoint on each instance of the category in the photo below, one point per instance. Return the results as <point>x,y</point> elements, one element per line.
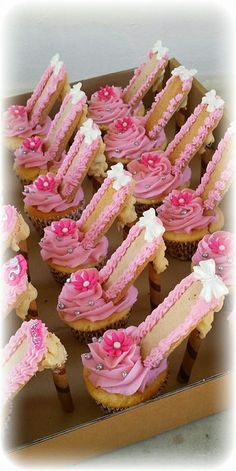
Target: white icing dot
<point>116,344</point>
<point>222,247</point>
<point>124,125</point>
<point>65,229</point>
<point>181,200</point>
<point>150,161</point>
<point>45,184</point>
<point>106,93</point>
<point>86,283</point>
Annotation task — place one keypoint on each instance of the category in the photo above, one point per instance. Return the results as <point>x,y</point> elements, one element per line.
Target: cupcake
<point>20,122</point>
<point>44,204</point>
<point>110,103</point>
<point>83,306</point>
<point>18,292</point>
<point>218,246</point>
<point>13,228</point>
<point>114,373</point>
<point>62,250</point>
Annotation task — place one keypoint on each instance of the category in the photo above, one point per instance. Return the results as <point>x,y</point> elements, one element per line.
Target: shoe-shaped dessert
<point>13,228</point>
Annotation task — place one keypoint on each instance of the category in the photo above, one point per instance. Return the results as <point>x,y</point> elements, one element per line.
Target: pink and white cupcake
<point>62,250</point>
<point>18,292</point>
<point>13,228</point>
<point>83,306</point>
<point>30,160</point>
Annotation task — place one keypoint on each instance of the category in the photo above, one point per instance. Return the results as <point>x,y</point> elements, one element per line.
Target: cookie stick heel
<point>62,387</point>
<point>154,286</point>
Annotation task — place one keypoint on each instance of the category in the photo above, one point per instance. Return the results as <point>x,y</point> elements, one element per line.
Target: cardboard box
<point>39,430</point>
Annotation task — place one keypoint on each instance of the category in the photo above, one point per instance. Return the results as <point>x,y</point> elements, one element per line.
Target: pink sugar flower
<point>105,93</point>
<point>181,198</point>
<point>150,160</point>
<point>45,182</point>
<point>220,244</point>
<point>64,227</point>
<point>116,342</point>
<point>17,110</point>
<point>123,124</point>
<point>15,269</point>
<point>32,143</point>
<point>85,280</point>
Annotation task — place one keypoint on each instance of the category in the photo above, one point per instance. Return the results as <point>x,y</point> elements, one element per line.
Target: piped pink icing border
<point>203,132</point>
<point>198,311</point>
<point>173,105</point>
<point>68,120</point>
<point>36,333</point>
<point>38,89</point>
<point>127,275</point>
<point>214,195</point>
<point>162,63</point>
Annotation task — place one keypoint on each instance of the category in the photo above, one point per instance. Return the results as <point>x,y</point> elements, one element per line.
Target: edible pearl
<point>147,186</point>
<point>221,247</point>
<point>58,238</point>
<point>100,339</point>
<point>117,150</point>
<point>220,268</point>
<point>91,303</point>
<point>124,374</point>
<point>136,143</point>
<point>183,211</point>
<point>87,356</point>
<point>86,283</point>
<point>116,345</point>
<point>61,305</point>
<point>24,151</point>
<point>163,177</point>
<point>205,255</point>
<point>68,280</point>
<point>21,129</point>
<point>99,366</point>
<point>229,260</point>
<point>134,173</point>
<point>77,313</point>
<point>70,251</point>
<point>94,339</point>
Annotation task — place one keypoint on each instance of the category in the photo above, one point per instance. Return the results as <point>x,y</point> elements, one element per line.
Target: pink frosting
<point>122,374</point>
<point>220,247</point>
<point>15,281</point>
<point>104,109</point>
<point>17,124</point>
<point>132,142</point>
<point>49,199</point>
<point>8,218</point>
<point>82,297</point>
<point>64,247</point>
<point>197,312</point>
<point>35,332</point>
<point>154,175</point>
<point>183,216</point>
<point>31,157</point>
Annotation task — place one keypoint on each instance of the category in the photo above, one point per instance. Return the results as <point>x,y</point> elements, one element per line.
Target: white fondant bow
<point>183,73</point>
<point>213,101</point>
<point>56,63</point>
<point>213,286</point>
<point>159,50</point>
<point>153,225</point>
<point>90,131</point>
<point>76,93</point>
<point>121,178</point>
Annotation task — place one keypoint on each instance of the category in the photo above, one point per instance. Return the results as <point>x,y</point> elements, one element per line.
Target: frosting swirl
<point>15,281</point>
<point>183,211</point>
<point>218,246</point>
<point>124,373</point>
<point>8,219</point>
<point>106,105</point>
<point>132,141</point>
<point>82,298</point>
<point>30,153</point>
<point>154,175</point>
<point>62,246</point>
<point>16,123</point>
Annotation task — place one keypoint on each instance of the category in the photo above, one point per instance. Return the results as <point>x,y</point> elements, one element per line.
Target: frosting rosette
<point>154,176</point>
<point>115,364</point>
<point>30,153</point>
<point>8,219</point>
<point>126,137</point>
<point>62,245</point>
<point>183,211</point>
<point>106,105</point>
<point>16,123</point>
<point>44,195</point>
<point>218,246</point>
<point>82,297</point>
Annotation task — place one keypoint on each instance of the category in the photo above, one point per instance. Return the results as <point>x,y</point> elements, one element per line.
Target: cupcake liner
<point>87,336</point>
<point>40,224</point>
<point>141,207</point>
<point>181,250</point>
<point>61,277</point>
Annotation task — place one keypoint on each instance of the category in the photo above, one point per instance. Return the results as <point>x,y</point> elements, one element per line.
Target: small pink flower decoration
<point>105,93</point>
<point>220,244</point>
<point>116,342</point>
<point>45,182</point>
<point>150,160</point>
<point>85,280</point>
<point>181,198</point>
<point>16,110</point>
<point>15,269</point>
<point>32,143</point>
<point>123,124</point>
<point>64,227</point>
